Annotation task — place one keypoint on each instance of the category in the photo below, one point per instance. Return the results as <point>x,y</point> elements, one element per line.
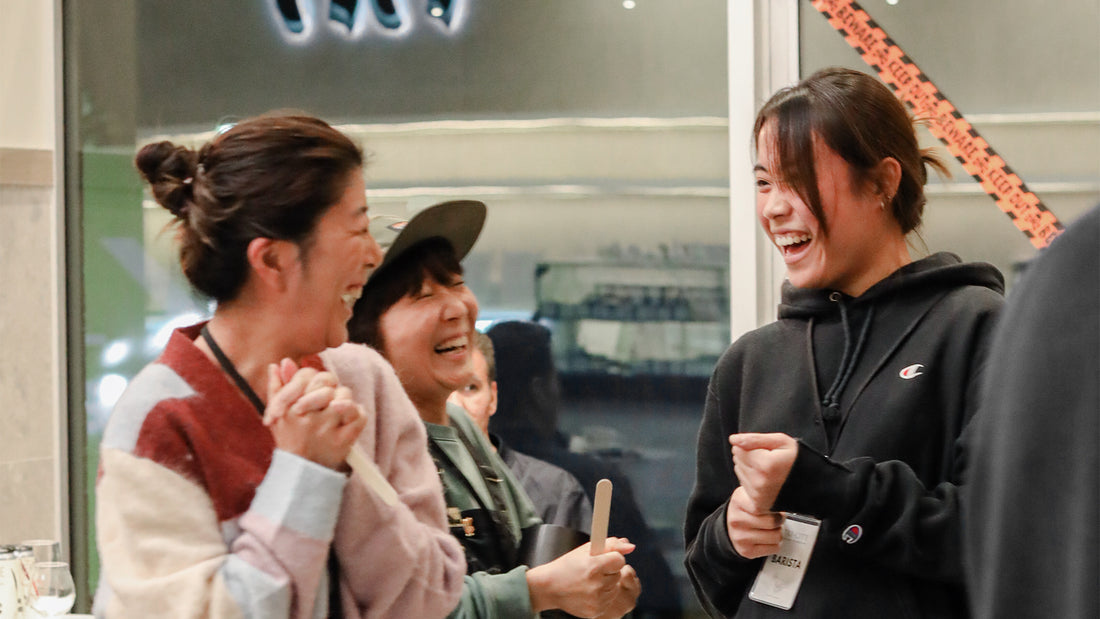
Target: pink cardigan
<point>403,558</point>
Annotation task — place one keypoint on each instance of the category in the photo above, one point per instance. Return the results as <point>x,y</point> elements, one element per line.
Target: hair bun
<point>169,169</point>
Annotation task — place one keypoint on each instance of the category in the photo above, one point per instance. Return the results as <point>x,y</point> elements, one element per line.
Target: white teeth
<point>349,298</point>
<point>791,239</point>
<point>451,344</point>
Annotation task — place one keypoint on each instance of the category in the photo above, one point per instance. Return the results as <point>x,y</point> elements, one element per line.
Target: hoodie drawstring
<point>831,401</point>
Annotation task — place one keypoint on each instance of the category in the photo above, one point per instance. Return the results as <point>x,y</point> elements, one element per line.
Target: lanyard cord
<point>227,365</point>
<point>335,603</point>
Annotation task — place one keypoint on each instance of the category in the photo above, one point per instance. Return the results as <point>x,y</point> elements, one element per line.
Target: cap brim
<point>459,222</point>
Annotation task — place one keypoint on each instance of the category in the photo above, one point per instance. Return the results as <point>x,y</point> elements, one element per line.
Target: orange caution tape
<point>912,86</point>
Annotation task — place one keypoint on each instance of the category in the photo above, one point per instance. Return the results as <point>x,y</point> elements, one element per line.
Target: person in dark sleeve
<point>1031,502</point>
<point>849,407</point>
<point>528,402</point>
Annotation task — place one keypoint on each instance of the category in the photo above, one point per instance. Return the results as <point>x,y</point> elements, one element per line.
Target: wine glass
<point>45,550</point>
<point>52,588</point>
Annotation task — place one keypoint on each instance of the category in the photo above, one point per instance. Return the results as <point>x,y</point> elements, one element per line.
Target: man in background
<point>557,495</point>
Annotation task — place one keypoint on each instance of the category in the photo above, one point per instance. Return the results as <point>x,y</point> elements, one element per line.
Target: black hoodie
<point>877,389</point>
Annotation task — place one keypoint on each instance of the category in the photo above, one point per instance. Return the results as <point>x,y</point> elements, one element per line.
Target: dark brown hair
<point>271,176</point>
<point>857,117</point>
<point>433,258</point>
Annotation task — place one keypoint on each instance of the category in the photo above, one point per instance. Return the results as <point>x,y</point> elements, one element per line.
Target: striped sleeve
<point>160,540</point>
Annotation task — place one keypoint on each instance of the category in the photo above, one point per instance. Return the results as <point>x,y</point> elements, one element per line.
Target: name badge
<point>779,579</point>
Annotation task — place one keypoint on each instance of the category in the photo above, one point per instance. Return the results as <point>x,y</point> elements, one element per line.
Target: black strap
<point>335,602</point>
<point>227,365</point>
<point>332,565</point>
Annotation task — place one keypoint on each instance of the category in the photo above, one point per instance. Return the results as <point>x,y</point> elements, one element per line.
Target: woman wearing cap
<point>223,489</point>
<point>419,314</point>
<point>849,408</point>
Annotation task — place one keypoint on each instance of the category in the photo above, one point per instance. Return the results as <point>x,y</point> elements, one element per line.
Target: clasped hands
<point>311,415</point>
<point>761,463</point>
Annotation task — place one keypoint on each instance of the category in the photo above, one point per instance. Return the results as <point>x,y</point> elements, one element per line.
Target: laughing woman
<point>223,488</point>
<point>849,408</point>
<point>418,312</point>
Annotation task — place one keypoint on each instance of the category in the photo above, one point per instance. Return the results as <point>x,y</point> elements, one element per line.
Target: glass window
<point>596,131</point>
<point>1026,77</point>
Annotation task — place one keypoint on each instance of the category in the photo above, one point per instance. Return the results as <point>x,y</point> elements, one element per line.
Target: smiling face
<point>427,335</point>
<point>333,267</point>
<point>861,245</point>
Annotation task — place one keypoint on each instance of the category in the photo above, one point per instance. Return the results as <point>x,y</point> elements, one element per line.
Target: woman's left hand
<point>762,463</point>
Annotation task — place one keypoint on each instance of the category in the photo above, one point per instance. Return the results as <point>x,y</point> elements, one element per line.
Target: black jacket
<point>1031,504</point>
<point>878,390</point>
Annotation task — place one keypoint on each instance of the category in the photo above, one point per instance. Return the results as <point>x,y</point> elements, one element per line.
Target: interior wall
<point>32,426</point>
<point>26,68</point>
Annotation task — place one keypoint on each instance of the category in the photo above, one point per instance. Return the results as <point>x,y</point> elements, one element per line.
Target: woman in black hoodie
<point>850,407</point>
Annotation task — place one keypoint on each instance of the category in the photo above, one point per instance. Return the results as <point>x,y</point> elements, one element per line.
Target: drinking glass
<point>53,591</point>
<point>45,550</point>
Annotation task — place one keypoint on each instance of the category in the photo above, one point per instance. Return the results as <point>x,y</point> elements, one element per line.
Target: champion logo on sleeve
<point>852,534</point>
<point>912,371</point>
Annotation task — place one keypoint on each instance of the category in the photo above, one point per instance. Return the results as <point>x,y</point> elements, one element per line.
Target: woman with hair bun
<point>223,488</point>
<point>829,461</point>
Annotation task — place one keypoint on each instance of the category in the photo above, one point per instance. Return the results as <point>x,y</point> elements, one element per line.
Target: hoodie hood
<point>940,271</point>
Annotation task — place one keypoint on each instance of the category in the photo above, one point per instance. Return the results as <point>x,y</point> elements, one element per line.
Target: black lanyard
<point>335,603</point>
<point>227,365</point>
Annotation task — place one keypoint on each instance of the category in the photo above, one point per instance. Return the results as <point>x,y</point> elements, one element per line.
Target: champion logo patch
<point>852,534</point>
<point>911,372</point>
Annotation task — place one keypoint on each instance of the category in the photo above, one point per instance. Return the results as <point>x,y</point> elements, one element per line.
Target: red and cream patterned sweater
<point>199,515</point>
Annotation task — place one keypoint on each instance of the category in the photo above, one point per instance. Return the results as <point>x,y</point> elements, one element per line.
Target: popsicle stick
<point>370,475</point>
<point>601,511</point>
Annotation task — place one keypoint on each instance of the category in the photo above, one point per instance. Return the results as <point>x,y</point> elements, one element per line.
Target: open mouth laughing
<point>453,345</point>
<point>349,298</point>
<point>792,243</point>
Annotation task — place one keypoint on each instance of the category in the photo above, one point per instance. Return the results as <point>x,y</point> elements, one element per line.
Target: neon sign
<point>298,20</point>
